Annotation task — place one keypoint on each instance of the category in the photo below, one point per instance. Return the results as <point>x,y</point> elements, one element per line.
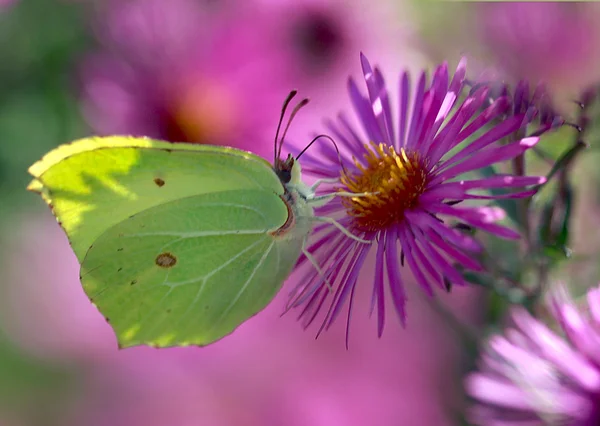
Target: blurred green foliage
<point>41,42</point>
<point>33,390</point>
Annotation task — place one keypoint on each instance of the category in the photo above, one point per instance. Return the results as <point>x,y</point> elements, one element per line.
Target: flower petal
<point>425,221</point>
<point>492,136</point>
<point>404,101</point>
<point>416,115</point>
<point>347,283</point>
<point>377,93</point>
<point>393,273</point>
<point>378,285</point>
<point>479,217</point>
<point>365,112</point>
<point>409,248</point>
<point>487,157</point>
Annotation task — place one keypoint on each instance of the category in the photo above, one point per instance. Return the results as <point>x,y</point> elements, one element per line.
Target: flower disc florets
<point>392,181</point>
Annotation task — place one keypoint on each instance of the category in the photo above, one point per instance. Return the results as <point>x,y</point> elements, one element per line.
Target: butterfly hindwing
<point>191,270</point>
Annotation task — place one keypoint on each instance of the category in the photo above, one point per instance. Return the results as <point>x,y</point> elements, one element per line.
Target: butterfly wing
<point>95,183</point>
<point>175,240</point>
<point>189,271</point>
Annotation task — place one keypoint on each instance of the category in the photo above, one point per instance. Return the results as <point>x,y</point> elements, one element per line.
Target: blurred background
<point>217,71</point>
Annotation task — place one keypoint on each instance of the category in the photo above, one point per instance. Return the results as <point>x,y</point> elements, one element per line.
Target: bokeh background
<point>217,71</point>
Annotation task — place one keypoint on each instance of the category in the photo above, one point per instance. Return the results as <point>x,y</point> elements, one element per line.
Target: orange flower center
<point>396,179</point>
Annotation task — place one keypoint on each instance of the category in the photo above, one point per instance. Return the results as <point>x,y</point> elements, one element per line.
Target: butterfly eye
<point>285,175</point>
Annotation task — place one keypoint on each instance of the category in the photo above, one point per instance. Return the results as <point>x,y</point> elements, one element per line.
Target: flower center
<point>397,179</point>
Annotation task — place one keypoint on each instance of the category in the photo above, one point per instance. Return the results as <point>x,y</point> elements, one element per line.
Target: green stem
<point>523,204</point>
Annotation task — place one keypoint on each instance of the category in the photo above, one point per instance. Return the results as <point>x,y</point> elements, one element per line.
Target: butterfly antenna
<point>297,108</point>
<point>283,109</point>
<point>334,145</point>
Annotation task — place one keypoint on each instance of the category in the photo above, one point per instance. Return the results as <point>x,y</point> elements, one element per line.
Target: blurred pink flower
<point>533,375</point>
<point>268,372</point>
<point>42,307</point>
<point>554,42</point>
<point>320,39</point>
<point>176,71</point>
<point>217,72</point>
<point>317,42</point>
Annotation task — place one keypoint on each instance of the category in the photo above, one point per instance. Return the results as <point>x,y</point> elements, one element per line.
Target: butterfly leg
<point>339,226</point>
<point>321,200</point>
<point>314,262</point>
<point>319,182</point>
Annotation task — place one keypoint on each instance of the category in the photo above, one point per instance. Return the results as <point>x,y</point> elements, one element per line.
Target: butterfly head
<point>287,170</point>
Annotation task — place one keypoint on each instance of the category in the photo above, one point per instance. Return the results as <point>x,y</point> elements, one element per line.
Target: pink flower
<point>533,375</point>
<point>408,165</point>
<point>554,42</point>
<point>320,38</point>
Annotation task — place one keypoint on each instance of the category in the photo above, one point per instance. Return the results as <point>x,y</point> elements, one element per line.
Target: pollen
<point>394,181</point>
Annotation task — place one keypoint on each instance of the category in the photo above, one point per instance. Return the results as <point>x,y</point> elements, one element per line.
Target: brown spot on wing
<point>165,260</point>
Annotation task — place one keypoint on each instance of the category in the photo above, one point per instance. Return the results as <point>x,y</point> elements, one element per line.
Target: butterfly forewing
<point>95,183</point>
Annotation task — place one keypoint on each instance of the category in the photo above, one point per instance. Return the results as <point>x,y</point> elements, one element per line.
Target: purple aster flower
<point>536,105</point>
<point>534,376</point>
<point>176,71</point>
<point>411,164</point>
